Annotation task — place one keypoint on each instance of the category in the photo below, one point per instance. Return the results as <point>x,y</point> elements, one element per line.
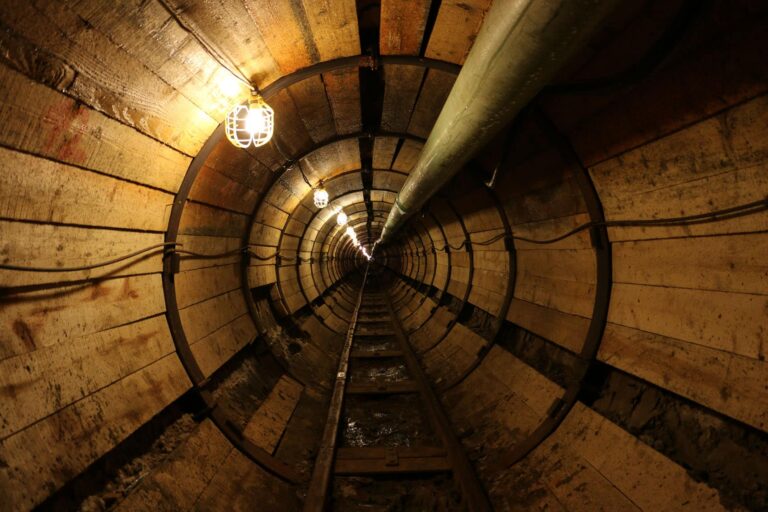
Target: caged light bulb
<point>249,124</point>
<point>341,218</point>
<point>321,197</point>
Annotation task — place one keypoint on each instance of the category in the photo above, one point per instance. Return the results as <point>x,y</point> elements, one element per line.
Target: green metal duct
<point>520,47</point>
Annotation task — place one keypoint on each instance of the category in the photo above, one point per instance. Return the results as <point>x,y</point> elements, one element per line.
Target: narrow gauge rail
<point>375,339</point>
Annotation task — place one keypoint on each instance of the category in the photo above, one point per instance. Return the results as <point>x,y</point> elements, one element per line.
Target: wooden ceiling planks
<point>333,24</point>
<point>283,27</point>
<point>227,27</point>
<point>402,26</point>
<point>408,155</point>
<point>456,26</point>
<point>401,87</point>
<point>105,77</point>
<point>290,130</point>
<point>332,159</point>
<point>311,100</point>
<point>437,86</point>
<point>343,90</point>
<point>147,31</point>
<point>384,151</point>
<point>42,121</point>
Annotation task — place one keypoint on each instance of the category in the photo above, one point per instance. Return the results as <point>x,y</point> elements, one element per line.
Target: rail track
<point>386,431</point>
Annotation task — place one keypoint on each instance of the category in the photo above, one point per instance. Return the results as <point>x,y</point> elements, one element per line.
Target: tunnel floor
<point>394,450</point>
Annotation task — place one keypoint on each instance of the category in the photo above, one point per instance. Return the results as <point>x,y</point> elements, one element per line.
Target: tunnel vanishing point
<point>566,204</point>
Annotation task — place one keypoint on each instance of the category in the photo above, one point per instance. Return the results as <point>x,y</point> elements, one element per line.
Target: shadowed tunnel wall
<point>621,368</point>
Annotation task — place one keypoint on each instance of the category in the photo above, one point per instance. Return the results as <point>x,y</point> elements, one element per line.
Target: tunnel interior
<point>582,309</point>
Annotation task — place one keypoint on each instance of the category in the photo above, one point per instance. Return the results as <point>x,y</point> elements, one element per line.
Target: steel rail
<point>317,494</point>
<point>473,493</point>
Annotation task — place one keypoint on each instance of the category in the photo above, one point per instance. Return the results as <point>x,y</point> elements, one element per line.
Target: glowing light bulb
<point>341,218</point>
<point>350,232</point>
<point>321,197</point>
<point>250,124</point>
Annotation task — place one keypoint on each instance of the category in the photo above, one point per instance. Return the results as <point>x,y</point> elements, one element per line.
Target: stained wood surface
<point>266,426</point>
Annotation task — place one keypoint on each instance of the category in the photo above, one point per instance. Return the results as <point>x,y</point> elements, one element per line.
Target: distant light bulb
<point>350,232</point>
<point>250,124</point>
<point>321,197</point>
<point>341,218</point>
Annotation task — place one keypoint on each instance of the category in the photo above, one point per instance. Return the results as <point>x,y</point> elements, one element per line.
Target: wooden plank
<point>732,322</point>
<point>568,296</point>
<point>195,286</point>
<point>42,121</point>
<point>456,26</point>
<point>45,245</point>
<point>217,348</point>
<point>217,189</point>
<point>40,190</point>
<point>407,157</point>
<point>384,152</point>
<point>239,484</point>
<point>724,263</point>
<point>106,77</point>
<point>384,388</point>
<point>450,358</point>
<point>404,464</point>
<point>266,426</point>
<point>568,331</point>
<point>311,100</point>
<point>334,28</point>
<point>290,131</point>
<point>203,318</point>
<point>75,369</point>
<point>38,319</point>
<point>343,90</point>
<point>716,163</point>
<point>41,458</point>
<point>178,483</point>
<point>402,26</point>
<point>203,220</point>
<point>437,86</point>
<point>147,31</point>
<point>401,87</point>
<point>375,354</point>
<point>645,476</point>
<point>208,245</point>
<point>282,27</point>
<point>228,26</point>
<point>733,385</point>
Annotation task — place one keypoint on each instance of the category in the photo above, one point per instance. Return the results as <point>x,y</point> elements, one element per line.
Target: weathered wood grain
<point>266,426</point>
<point>731,384</point>
<point>42,121</point>
<point>402,26</point>
<point>42,457</point>
<point>53,377</point>
<point>34,320</point>
<point>456,27</point>
<point>46,245</point>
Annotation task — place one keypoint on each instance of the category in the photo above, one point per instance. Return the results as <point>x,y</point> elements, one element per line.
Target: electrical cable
<point>4,266</point>
<point>209,49</point>
<point>702,218</point>
<point>689,220</point>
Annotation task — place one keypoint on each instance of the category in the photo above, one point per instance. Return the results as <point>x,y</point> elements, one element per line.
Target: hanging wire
<point>702,218</point>
<point>290,162</point>
<point>219,57</point>
<point>164,246</point>
<point>173,247</point>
